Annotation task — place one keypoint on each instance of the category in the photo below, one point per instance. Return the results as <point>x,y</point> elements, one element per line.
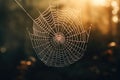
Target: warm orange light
<point>115,19</point>
<point>29,63</point>
<point>114,11</point>
<point>114,4</point>
<point>112,44</point>
<point>99,2</point>
<point>23,62</point>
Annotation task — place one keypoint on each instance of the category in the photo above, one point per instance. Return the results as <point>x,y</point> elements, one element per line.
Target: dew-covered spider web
<point>59,38</point>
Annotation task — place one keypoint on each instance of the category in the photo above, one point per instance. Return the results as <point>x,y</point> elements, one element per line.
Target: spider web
<point>59,38</point>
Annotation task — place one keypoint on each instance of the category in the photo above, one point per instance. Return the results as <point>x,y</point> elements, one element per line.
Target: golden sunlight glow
<point>114,11</point>
<point>91,10</point>
<point>99,2</point>
<point>112,44</point>
<point>29,63</point>
<point>114,4</point>
<point>23,62</point>
<point>115,19</point>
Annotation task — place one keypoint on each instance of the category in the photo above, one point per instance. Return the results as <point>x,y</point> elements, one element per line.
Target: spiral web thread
<point>59,38</point>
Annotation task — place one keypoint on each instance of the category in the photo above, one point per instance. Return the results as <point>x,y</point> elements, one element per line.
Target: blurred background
<point>101,61</point>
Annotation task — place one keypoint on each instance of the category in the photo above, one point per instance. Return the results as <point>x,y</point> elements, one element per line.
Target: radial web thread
<point>59,38</point>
